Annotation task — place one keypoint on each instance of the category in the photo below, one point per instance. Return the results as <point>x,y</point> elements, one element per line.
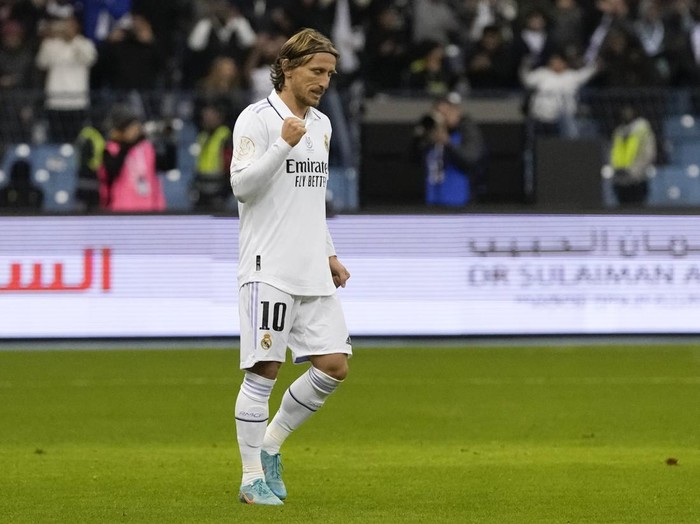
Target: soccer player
<point>288,270</point>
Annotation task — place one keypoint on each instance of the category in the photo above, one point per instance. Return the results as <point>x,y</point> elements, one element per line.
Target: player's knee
<point>340,373</point>
<point>338,369</point>
<point>335,365</point>
<point>267,369</point>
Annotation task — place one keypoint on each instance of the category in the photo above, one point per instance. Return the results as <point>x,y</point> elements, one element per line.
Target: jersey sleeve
<point>255,161</point>
<point>330,248</point>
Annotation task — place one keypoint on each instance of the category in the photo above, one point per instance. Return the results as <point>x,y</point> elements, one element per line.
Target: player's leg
<point>252,413</point>
<point>304,397</point>
<point>321,328</point>
<point>261,357</point>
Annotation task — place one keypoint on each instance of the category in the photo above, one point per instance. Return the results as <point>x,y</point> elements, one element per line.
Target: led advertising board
<point>175,276</point>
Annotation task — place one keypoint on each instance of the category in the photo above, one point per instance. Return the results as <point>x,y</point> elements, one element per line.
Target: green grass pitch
<point>563,434</point>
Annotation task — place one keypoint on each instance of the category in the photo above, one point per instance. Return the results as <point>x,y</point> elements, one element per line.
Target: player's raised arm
<point>292,130</point>
<point>254,164</point>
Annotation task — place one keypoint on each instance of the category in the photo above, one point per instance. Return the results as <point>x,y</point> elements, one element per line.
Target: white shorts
<point>272,321</point>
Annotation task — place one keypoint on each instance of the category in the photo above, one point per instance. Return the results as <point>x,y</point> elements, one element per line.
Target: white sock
<point>252,413</point>
<point>301,400</point>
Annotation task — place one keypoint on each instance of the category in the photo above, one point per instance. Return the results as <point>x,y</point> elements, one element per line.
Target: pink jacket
<point>137,187</point>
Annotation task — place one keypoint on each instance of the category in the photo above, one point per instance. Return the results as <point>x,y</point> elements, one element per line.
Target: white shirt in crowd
<point>555,94</point>
<point>67,64</point>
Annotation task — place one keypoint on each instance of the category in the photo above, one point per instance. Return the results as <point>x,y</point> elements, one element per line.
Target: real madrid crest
<point>326,142</point>
<point>266,342</point>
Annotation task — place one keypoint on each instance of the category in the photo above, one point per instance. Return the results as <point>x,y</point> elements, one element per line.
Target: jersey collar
<point>282,110</point>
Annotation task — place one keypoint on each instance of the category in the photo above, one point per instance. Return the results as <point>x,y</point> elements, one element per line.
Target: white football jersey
<point>281,192</point>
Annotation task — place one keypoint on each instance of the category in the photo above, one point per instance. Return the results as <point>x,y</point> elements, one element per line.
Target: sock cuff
<point>257,387</point>
<point>322,382</point>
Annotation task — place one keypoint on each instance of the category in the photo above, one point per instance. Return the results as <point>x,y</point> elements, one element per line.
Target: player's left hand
<point>338,272</point>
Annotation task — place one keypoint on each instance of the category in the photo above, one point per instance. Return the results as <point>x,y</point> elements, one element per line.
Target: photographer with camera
<point>129,172</point>
<point>452,151</point>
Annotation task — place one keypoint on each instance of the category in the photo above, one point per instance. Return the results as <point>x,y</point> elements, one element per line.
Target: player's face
<point>309,81</point>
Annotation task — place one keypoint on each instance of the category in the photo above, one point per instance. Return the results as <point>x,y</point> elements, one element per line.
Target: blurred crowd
<point>79,54</point>
<point>432,46</point>
<point>75,51</point>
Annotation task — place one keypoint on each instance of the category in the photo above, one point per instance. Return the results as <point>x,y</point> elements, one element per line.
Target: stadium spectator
<point>490,64</point>
<point>24,12</point>
<point>632,155</point>
<point>429,73</point>
<point>452,151</point>
<point>277,20</point>
<point>554,87</point>
<point>225,87</point>
<point>614,14</point>
<point>170,22</point>
<point>679,48</point>
<point>16,57</point>
<point>59,9</point>
<point>21,194</point>
<point>211,189</point>
<point>625,62</point>
<point>89,148</point>
<point>101,17</point>
<point>128,175</point>
<point>257,67</point>
<point>386,50</point>
<point>348,34</point>
<point>627,69</point>
<point>532,41</point>
<point>650,29</point>
<point>66,56</point>
<point>311,13</point>
<point>130,58</point>
<point>16,79</point>
<point>481,14</point>
<point>568,29</point>
<point>686,47</point>
<point>434,20</point>
<point>223,32</point>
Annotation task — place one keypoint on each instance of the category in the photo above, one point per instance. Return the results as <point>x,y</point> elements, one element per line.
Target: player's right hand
<point>292,130</point>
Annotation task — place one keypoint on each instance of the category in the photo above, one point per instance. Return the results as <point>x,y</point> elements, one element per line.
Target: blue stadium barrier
<point>682,126</point>
<point>672,186</point>
<point>176,184</point>
<point>609,199</point>
<point>342,188</point>
<point>53,171</point>
<point>685,151</point>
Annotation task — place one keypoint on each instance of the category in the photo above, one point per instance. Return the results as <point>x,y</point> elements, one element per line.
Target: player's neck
<point>297,109</point>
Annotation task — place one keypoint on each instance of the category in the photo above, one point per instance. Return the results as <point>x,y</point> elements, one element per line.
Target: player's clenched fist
<point>292,130</point>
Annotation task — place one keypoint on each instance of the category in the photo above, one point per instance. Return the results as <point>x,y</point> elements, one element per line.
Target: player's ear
<point>284,64</point>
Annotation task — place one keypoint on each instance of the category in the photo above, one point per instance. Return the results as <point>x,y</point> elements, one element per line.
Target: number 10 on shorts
<point>279,311</point>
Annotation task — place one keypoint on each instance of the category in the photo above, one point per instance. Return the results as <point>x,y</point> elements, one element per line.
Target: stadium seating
<point>681,126</point>
<point>674,185</point>
<point>53,168</point>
